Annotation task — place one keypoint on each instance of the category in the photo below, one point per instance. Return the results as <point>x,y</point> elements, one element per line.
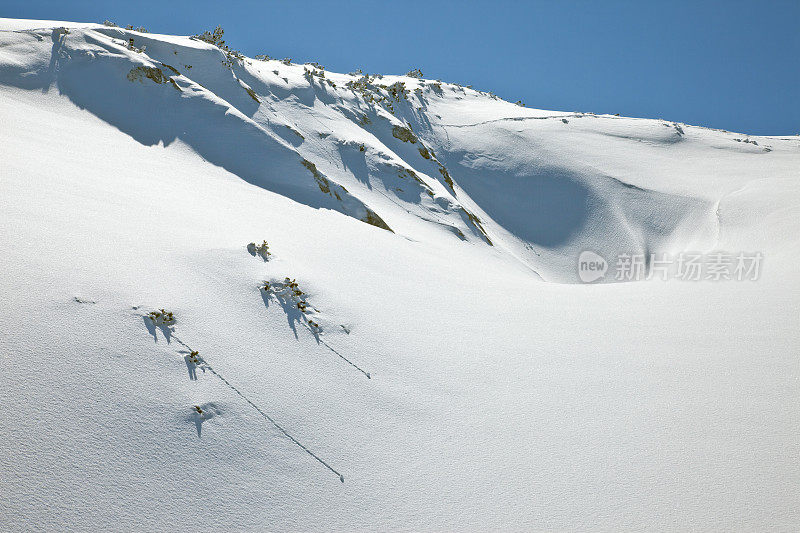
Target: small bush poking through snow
<point>290,293</point>
<point>363,86</point>
<point>370,91</point>
<point>161,317</point>
<point>398,91</point>
<point>261,250</point>
<point>416,73</point>
<point>152,73</point>
<point>310,73</point>
<point>215,37</point>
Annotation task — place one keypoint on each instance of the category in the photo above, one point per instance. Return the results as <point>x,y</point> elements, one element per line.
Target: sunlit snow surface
<point>502,392</point>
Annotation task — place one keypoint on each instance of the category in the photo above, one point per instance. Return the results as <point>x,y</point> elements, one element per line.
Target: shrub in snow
<point>398,91</point>
<point>519,103</point>
<point>362,85</point>
<point>215,37</point>
<point>131,46</point>
<point>152,73</point>
<point>290,296</point>
<point>477,224</point>
<point>404,134</point>
<point>416,73</point>
<point>261,250</point>
<point>310,73</point>
<point>371,92</point>
<point>250,91</point>
<point>161,317</point>
<point>109,23</point>
<point>324,184</point>
<point>446,176</point>
<point>290,293</point>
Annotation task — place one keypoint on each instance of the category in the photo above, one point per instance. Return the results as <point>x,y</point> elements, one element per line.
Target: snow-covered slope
<point>436,232</point>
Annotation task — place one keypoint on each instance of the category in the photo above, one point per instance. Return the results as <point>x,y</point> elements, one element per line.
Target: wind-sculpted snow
<point>98,73</point>
<point>406,162</point>
<point>413,372</point>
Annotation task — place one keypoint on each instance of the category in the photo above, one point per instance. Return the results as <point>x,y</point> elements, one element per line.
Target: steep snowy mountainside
<point>409,155</point>
<point>495,400</point>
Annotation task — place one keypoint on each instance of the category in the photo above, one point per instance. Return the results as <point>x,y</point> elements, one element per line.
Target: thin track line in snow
<point>348,361</point>
<point>319,340</point>
<point>265,415</point>
<point>519,119</point>
<point>343,357</point>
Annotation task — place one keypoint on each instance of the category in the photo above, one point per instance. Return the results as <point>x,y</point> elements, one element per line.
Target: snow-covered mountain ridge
<point>408,155</point>
<point>437,351</point>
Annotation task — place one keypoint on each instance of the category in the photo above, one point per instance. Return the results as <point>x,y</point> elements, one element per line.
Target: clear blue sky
<point>724,64</point>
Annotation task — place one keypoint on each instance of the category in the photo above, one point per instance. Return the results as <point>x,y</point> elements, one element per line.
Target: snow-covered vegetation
<point>436,232</point>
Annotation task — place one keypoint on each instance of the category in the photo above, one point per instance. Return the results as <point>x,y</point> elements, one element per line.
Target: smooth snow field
<point>435,361</point>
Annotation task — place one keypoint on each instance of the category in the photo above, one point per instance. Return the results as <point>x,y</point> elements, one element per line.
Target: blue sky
<point>729,64</point>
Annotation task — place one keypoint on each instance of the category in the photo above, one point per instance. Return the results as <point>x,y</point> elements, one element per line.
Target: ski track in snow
<point>262,413</point>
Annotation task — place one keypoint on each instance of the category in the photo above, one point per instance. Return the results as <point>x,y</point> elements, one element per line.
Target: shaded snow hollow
<point>427,362</point>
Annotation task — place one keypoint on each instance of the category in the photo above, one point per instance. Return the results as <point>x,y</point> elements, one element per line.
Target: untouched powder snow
<point>450,365</point>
